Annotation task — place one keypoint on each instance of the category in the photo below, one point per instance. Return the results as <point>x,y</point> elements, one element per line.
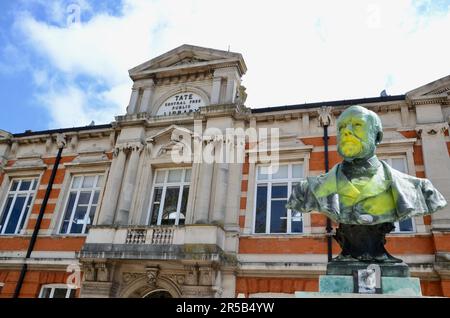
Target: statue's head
<point>359,131</point>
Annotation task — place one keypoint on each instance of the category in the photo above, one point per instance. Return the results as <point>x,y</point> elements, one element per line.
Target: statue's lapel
<point>348,193</point>
<point>376,185</point>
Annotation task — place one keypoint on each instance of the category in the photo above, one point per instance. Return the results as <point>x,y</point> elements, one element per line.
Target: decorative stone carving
<point>206,275</point>
<point>89,271</point>
<point>192,274</point>
<point>325,115</point>
<point>130,277</point>
<point>61,140</point>
<point>152,275</point>
<point>102,272</point>
<point>432,129</point>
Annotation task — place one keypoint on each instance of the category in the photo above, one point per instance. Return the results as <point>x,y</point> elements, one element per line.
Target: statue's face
<point>356,134</point>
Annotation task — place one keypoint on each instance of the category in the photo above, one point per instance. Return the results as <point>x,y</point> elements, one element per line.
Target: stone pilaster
<point>112,191</point>
<point>133,105</point>
<point>129,183</point>
<point>437,165</point>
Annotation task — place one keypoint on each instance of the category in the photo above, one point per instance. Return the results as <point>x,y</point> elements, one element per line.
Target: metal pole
<point>329,228</point>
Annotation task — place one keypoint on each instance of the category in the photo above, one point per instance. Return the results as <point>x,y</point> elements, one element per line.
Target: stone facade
<point>208,246</point>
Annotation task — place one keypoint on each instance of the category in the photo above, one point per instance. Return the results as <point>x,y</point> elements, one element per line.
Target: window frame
<point>269,181</point>
<point>53,287</point>
<point>388,160</point>
<point>23,218</point>
<point>165,185</point>
<point>99,188</point>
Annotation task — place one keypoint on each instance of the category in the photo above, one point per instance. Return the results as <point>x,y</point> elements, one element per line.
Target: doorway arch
<point>158,293</point>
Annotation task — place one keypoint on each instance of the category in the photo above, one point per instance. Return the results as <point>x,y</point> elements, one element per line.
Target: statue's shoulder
<point>401,178</point>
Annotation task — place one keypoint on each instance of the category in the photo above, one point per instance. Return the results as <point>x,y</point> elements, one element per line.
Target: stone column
<point>147,97</point>
<point>233,196</point>
<point>220,185</point>
<point>215,92</point>
<point>437,166</point>
<point>128,185</point>
<point>203,195</point>
<point>232,83</point>
<point>112,191</point>
<point>131,109</point>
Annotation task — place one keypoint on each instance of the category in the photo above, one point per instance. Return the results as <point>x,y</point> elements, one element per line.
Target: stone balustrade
<point>157,235</point>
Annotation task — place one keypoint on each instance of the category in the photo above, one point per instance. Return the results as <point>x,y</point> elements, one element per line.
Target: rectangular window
<point>17,204</point>
<point>81,204</point>
<point>57,291</point>
<point>169,196</point>
<point>273,188</point>
<point>399,163</point>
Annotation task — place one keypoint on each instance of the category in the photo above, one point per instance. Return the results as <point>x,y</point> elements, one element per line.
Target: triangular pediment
<point>173,132</point>
<point>438,87</point>
<point>5,135</point>
<point>187,56</point>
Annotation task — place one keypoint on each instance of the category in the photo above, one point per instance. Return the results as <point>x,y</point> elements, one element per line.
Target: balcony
<point>204,242</point>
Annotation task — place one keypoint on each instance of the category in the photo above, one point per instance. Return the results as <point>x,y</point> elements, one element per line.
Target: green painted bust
<point>362,189</point>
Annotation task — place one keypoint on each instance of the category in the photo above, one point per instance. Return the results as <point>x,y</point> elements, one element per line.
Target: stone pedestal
<point>342,286</point>
<point>387,269</point>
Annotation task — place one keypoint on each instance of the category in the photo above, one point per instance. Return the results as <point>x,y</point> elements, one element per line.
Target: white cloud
<point>294,52</point>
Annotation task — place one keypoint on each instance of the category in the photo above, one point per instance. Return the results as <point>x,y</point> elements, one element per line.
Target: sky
<point>64,63</point>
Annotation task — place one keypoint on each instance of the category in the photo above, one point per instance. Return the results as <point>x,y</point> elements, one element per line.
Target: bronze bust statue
<point>363,194</point>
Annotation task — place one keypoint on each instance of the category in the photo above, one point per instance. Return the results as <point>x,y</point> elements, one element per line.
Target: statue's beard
<point>351,148</point>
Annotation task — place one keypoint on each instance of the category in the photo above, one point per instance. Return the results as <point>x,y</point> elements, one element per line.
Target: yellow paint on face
<point>353,130</point>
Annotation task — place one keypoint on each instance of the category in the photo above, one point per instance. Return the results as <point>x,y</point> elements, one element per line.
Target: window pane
<point>279,191</point>
<point>95,199</point>
<point>99,181</point>
<point>76,182</point>
<point>5,211</point>
<point>399,164</point>
<point>72,293</point>
<point>156,204</point>
<point>69,208</point>
<point>15,215</point>
<point>33,187</point>
<point>175,175</point>
<point>184,200</point>
<point>187,177</point>
<point>278,218</point>
<point>14,185</point>
<point>282,172</point>
<point>25,213</point>
<point>297,171</point>
<point>84,197</point>
<point>406,225</point>
<point>46,292</point>
<point>160,175</point>
<point>296,222</point>
<point>92,214</point>
<point>261,209</point>
<point>263,172</point>
<point>60,293</point>
<point>169,213</point>
<point>88,181</point>
<point>25,185</point>
<point>78,219</point>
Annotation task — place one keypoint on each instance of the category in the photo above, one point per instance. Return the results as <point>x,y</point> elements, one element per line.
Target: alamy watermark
<point>232,145</point>
<point>73,11</point>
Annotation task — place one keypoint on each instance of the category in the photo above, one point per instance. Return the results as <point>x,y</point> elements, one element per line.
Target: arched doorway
<point>158,293</point>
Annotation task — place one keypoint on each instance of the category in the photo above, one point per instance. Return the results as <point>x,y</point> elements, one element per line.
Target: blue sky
<point>64,63</point>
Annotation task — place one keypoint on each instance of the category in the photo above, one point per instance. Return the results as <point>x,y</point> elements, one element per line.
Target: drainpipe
<point>60,141</point>
<point>329,228</point>
<point>325,121</point>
